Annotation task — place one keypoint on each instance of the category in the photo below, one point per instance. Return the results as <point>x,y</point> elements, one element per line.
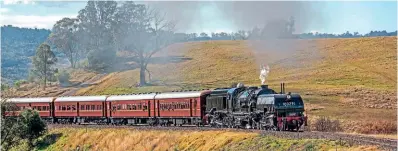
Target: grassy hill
<point>353,80</point>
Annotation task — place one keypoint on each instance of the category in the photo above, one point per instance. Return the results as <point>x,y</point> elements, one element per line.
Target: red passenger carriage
<point>42,105</point>
<point>180,107</point>
<point>131,109</point>
<point>80,109</point>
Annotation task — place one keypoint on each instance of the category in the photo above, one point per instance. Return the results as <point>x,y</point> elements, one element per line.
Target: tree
<point>143,31</point>
<point>10,126</point>
<point>241,34</point>
<point>64,36</point>
<point>32,126</point>
<point>42,62</point>
<point>203,34</point>
<point>97,21</point>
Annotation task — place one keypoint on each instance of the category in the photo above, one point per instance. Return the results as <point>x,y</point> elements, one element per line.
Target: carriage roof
<point>189,94</point>
<point>31,100</point>
<point>80,98</point>
<point>149,96</point>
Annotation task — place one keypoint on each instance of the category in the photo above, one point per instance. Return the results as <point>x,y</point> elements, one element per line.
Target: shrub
<point>324,124</point>
<point>63,76</point>
<point>18,83</point>
<point>4,87</point>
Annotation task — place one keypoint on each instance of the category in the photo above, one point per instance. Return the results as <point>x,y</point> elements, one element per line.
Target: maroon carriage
<point>180,107</point>
<point>80,109</point>
<point>131,109</point>
<point>42,105</point>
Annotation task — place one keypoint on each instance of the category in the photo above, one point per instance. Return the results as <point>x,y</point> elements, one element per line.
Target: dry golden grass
<point>117,139</point>
<point>52,88</point>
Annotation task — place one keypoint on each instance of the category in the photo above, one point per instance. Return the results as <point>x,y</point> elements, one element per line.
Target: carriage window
<point>81,107</point>
<point>92,107</point>
<point>63,108</point>
<point>99,107</point>
<point>128,107</point>
<point>119,107</point>
<point>87,107</point>
<point>59,107</point>
<point>145,107</point>
<point>45,108</point>
<point>39,108</point>
<point>113,107</point>
<point>73,107</point>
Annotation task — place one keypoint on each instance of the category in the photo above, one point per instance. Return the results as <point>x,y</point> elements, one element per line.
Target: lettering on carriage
<point>173,105</point>
<point>126,107</point>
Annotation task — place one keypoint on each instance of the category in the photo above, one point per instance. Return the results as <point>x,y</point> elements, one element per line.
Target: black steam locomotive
<point>256,108</point>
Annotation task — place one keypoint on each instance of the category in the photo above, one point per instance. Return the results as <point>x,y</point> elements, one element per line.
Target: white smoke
<point>264,73</point>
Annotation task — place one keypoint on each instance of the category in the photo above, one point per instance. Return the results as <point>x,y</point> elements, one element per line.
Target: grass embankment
<point>130,139</point>
<point>353,80</point>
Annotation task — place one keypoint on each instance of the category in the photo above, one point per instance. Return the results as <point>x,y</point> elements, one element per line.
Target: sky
<point>226,16</point>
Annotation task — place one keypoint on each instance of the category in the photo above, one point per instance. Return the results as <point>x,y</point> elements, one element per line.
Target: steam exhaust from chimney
<point>264,70</point>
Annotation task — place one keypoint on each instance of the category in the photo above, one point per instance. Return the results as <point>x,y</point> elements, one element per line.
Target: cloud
<point>11,2</point>
<point>4,10</point>
<point>32,21</point>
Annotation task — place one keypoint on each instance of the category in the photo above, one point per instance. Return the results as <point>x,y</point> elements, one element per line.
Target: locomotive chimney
<point>281,89</point>
<point>283,84</point>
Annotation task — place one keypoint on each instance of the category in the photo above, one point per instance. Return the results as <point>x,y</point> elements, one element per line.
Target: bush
<point>100,60</point>
<point>18,83</point>
<point>63,76</point>
<point>4,87</point>
<point>324,124</point>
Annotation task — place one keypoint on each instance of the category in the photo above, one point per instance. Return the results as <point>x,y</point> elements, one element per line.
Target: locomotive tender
<point>240,107</point>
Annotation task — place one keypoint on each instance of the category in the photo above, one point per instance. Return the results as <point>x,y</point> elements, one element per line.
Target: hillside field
<point>117,139</point>
<point>353,80</point>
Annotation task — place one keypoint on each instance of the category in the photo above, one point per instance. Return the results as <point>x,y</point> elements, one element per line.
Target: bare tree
<point>144,32</point>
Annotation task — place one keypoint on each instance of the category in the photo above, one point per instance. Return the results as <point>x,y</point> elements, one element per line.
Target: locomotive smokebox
<point>264,86</point>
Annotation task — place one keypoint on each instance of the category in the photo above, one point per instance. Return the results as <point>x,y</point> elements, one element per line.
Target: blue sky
<point>330,17</point>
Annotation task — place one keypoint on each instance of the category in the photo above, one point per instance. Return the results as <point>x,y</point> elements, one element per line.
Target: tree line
<point>104,27</point>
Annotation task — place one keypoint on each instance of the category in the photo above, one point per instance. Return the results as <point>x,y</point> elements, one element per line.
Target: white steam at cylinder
<point>264,70</point>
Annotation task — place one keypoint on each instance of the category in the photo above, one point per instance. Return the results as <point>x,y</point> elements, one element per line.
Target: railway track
<point>348,139</point>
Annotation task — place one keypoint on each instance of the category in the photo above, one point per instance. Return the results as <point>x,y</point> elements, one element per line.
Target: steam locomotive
<point>238,107</point>
<point>253,107</point>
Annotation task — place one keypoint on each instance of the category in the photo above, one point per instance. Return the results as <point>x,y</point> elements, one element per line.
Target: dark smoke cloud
<point>198,16</point>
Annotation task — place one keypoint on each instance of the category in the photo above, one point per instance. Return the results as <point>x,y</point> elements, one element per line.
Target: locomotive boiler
<point>255,107</point>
